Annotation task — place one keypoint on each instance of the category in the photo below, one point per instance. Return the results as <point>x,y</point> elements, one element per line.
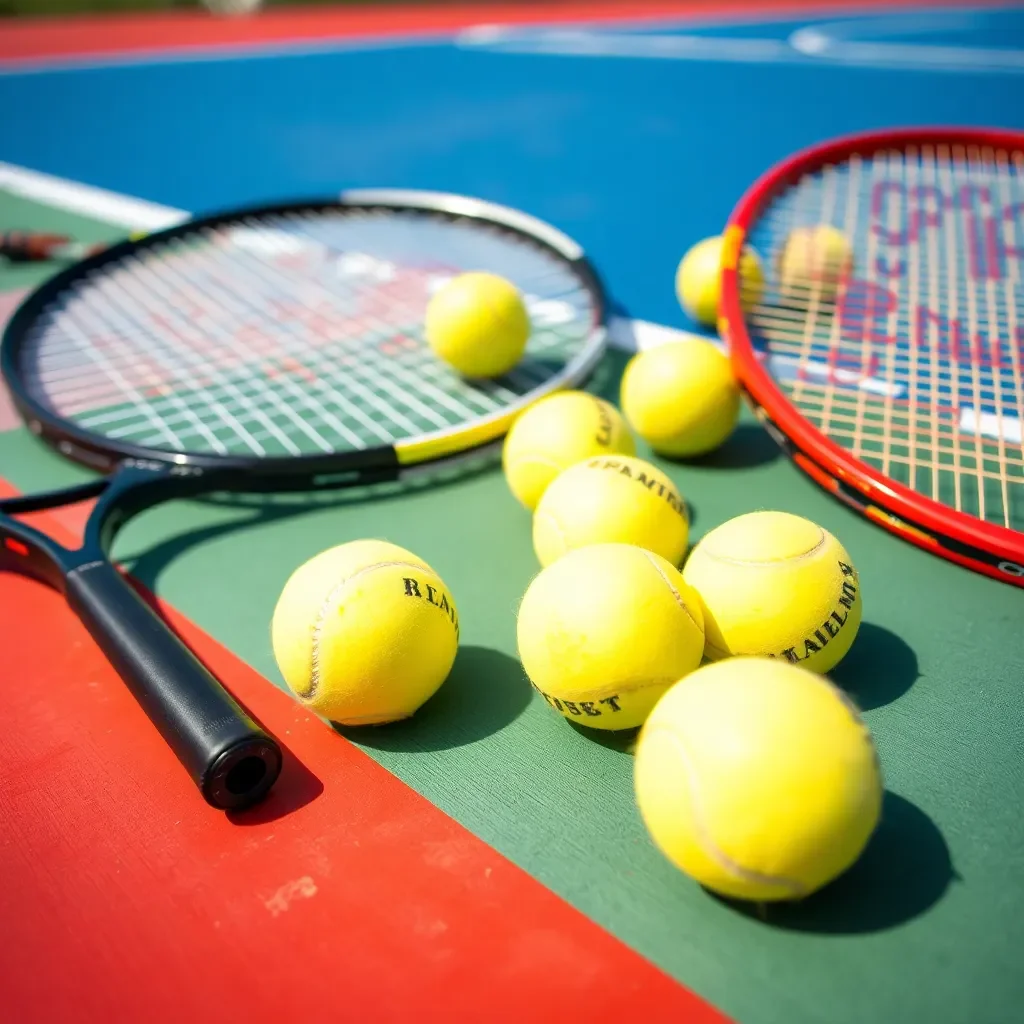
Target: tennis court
<point>483,861</point>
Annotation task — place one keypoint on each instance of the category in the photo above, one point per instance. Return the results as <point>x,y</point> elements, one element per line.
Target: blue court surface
<point>636,140</point>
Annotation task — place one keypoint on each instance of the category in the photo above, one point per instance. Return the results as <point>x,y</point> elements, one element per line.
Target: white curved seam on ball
<point>858,720</point>
<point>675,593</point>
<point>722,654</point>
<point>556,525</point>
<point>768,561</point>
<point>719,856</point>
<point>318,623</point>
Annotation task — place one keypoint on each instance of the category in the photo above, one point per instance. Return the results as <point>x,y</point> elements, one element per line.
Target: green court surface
<point>926,927</point>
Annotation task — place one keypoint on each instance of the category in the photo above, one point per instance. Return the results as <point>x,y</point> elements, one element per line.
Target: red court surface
<point>344,896</point>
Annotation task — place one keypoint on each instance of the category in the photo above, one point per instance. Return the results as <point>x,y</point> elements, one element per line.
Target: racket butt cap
<point>243,774</point>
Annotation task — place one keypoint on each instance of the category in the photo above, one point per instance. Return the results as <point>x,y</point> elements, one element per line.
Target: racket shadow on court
<point>905,870</point>
<point>256,510</point>
<point>485,691</point>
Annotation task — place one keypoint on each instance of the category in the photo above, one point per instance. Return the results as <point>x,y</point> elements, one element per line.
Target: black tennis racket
<point>274,348</point>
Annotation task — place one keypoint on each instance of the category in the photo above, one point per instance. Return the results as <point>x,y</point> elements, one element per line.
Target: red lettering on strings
<point>920,215</point>
<point>879,208</point>
<point>947,332</point>
<point>1012,216</point>
<point>864,310</point>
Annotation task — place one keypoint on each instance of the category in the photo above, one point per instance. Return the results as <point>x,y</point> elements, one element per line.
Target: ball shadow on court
<point>879,668</point>
<point>485,691</point>
<point>621,740</point>
<point>749,445</point>
<point>905,870</point>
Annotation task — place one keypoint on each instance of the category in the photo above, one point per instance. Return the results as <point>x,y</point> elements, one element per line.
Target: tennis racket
<point>269,349</point>
<point>893,373</point>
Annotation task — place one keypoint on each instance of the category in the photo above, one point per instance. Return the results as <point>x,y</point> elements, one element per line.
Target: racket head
<point>286,340</point>
<point>892,375</point>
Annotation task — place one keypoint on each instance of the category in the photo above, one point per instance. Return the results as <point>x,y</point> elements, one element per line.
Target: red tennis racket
<point>885,353</point>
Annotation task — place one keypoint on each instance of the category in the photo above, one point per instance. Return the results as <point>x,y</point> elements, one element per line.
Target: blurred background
<point>18,8</point>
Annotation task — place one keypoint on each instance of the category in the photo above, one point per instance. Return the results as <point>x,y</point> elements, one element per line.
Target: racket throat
<point>26,551</point>
<point>132,490</point>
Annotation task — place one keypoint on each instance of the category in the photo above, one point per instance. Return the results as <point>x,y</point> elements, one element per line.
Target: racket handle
<point>230,758</point>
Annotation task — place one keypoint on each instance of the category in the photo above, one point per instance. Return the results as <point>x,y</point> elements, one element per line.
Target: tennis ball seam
<point>792,887</point>
<point>554,523</point>
<point>321,617</point>
<point>858,720</point>
<point>810,552</point>
<point>675,593</point>
<point>718,653</point>
<point>715,653</point>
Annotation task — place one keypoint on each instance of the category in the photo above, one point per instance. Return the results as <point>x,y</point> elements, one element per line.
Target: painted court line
<point>87,200</point>
<point>844,43</point>
<point>212,53</point>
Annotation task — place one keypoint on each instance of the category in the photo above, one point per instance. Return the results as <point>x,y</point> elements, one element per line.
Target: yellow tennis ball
<point>478,324</point>
<point>812,262</point>
<point>365,632</point>
<point>698,280</point>
<point>776,584</point>
<point>611,499</point>
<point>555,433</point>
<point>681,398</point>
<point>604,631</point>
<point>758,779</point>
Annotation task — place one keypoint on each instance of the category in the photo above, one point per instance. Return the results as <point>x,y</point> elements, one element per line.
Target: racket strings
<point>295,334</point>
<point>911,356</point>
<point>403,425</point>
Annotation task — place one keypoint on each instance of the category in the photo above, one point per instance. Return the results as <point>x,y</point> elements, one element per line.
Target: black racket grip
<point>230,758</point>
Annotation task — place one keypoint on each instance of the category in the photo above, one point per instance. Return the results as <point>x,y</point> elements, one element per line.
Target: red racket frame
<point>984,547</point>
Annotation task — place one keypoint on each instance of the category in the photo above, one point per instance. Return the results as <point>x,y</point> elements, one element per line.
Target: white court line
<point>581,43</point>
<point>632,335</point>
<point>88,201</point>
<point>832,42</point>
<point>211,53</point>
<point>991,425</point>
